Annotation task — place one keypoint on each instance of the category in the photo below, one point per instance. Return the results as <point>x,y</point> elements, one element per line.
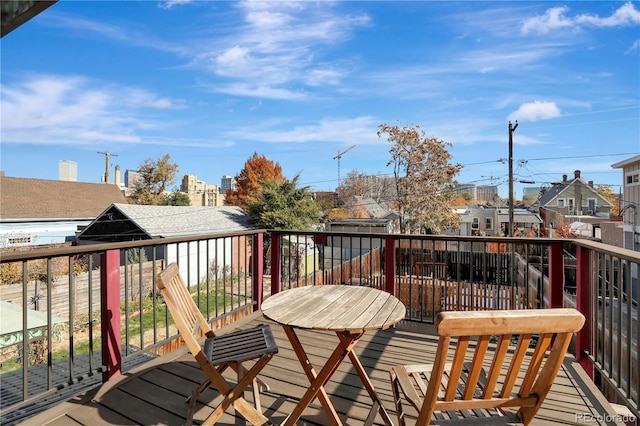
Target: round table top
<point>334,307</point>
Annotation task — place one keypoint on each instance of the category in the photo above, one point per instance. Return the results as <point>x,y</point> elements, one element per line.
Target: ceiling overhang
<point>17,12</point>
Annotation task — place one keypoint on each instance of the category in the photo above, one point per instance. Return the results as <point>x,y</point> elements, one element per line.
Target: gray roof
<point>173,221</point>
<point>552,193</point>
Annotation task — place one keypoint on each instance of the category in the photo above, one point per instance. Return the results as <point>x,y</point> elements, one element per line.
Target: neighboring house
<point>132,222</point>
<point>630,202</point>
<point>373,210</point>
<point>570,201</point>
<point>629,212</point>
<point>491,221</point>
<point>36,212</point>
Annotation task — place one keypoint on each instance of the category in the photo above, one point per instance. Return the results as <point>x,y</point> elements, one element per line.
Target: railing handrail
<point>41,253</point>
<point>590,256</point>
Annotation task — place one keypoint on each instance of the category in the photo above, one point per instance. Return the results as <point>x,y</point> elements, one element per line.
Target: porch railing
<point>91,312</point>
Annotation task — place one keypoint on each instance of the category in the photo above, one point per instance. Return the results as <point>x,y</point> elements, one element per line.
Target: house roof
<point>122,222</point>
<point>558,188</point>
<point>552,193</point>
<point>626,162</point>
<point>39,199</point>
<point>373,208</point>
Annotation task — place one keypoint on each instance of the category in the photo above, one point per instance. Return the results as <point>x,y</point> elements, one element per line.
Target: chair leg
<point>396,399</point>
<point>241,372</point>
<point>193,400</point>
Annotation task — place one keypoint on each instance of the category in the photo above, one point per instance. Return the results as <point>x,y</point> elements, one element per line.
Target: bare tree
<point>424,179</point>
<point>357,183</point>
<point>155,178</point>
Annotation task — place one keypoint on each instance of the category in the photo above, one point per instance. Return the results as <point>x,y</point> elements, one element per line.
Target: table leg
<point>366,381</point>
<point>316,387</point>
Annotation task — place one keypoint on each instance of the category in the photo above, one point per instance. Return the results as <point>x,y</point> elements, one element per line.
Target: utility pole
<point>511,130</point>
<point>106,161</point>
<point>339,156</point>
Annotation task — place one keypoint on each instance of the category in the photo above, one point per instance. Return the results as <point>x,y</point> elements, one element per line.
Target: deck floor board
<point>156,394</point>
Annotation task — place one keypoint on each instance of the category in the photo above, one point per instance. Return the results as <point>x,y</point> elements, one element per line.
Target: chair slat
<point>219,352</point>
<point>486,381</point>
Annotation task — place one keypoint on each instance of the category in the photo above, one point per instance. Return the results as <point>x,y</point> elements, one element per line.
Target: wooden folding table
<point>349,311</point>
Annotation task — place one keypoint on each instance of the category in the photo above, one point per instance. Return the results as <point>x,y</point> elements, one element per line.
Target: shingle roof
<point>552,193</point>
<point>171,221</point>
<point>26,198</point>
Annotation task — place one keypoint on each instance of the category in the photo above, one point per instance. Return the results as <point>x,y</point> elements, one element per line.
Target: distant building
<point>68,171</point>
<point>131,178</point>
<point>531,193</point>
<point>189,184</point>
<point>211,197</point>
<point>631,201</point>
<point>487,193</point>
<point>467,188</point>
<point>227,183</point>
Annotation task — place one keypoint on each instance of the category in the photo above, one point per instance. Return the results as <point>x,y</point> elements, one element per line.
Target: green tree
<point>424,179</point>
<point>284,206</point>
<point>155,177</point>
<point>176,198</point>
<point>257,170</point>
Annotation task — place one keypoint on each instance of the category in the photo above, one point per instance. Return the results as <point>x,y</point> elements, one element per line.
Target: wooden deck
<point>155,393</point>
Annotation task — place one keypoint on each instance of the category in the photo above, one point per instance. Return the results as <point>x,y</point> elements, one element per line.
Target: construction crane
<point>339,156</point>
<point>106,160</point>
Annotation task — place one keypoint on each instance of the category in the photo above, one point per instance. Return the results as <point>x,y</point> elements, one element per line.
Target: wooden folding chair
<point>219,352</point>
<point>502,360</point>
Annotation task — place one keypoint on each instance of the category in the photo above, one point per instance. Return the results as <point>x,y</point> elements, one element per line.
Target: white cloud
<point>358,130</point>
<point>168,4</point>
<point>279,49</point>
<point>48,109</point>
<point>537,110</point>
<point>634,46</point>
<point>555,18</point>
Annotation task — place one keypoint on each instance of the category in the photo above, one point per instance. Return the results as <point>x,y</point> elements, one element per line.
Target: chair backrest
<point>518,371</point>
<point>186,315</point>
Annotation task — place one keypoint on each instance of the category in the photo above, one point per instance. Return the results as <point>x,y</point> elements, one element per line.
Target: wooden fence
<point>76,292</point>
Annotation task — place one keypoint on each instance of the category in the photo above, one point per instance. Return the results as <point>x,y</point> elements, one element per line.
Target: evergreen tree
<point>284,206</point>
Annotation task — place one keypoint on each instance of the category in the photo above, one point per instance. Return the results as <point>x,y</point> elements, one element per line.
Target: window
<point>561,203</point>
<point>633,178</point>
<point>475,223</point>
<point>19,241</point>
<point>488,223</point>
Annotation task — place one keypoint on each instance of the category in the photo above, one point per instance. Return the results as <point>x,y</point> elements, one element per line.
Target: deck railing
<point>92,312</point>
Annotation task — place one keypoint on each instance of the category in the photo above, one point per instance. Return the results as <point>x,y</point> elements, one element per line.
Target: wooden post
<point>276,262</point>
<point>584,271</point>
<point>257,269</point>
<point>110,320</point>
<point>390,265</point>
<point>556,275</point>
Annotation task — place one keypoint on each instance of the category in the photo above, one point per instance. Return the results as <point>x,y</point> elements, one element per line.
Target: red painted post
<point>390,265</point>
<point>584,271</point>
<point>110,321</point>
<point>556,275</point>
<point>257,269</point>
<point>276,261</point>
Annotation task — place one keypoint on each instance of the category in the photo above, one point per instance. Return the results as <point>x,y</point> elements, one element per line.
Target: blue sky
<point>212,82</point>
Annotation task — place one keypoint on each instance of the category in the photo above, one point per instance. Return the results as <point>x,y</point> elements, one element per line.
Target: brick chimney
<point>591,183</point>
<point>564,178</point>
<point>576,174</point>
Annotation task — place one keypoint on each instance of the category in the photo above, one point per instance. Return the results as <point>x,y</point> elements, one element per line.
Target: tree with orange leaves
<point>257,170</point>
